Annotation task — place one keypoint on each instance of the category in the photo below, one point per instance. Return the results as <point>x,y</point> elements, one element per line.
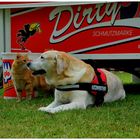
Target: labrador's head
<point>50,61</point>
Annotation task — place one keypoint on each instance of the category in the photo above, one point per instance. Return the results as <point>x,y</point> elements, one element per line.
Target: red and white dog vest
<point>96,81</point>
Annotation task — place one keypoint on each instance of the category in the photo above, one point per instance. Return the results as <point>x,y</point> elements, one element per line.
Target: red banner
<point>96,28</point>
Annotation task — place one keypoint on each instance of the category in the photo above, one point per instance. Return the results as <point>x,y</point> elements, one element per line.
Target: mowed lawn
<point>120,119</point>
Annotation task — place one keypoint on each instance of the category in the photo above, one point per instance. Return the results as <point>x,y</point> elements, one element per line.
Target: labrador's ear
<point>61,63</point>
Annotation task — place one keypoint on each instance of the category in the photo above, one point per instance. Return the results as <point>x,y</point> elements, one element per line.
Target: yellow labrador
<point>63,69</point>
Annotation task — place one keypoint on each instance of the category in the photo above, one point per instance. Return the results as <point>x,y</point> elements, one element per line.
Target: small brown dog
<point>24,80</point>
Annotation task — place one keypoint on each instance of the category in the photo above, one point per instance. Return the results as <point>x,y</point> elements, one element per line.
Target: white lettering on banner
<point>89,15</point>
<point>113,33</point>
<point>111,10</point>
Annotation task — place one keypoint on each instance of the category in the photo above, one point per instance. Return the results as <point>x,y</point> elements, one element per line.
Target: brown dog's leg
<point>19,95</point>
<point>29,91</point>
<point>29,94</point>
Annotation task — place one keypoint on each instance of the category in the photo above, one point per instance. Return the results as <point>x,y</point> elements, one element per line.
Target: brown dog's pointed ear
<point>62,63</point>
<point>18,56</point>
<point>26,56</point>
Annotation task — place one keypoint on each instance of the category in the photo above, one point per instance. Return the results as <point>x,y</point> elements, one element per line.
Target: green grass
<point>125,77</point>
<point>120,119</point>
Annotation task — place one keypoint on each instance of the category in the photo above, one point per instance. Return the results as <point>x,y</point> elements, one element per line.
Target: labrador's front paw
<point>45,109</point>
<point>42,109</point>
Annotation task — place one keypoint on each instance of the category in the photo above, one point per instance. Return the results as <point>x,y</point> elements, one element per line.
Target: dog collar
<point>98,87</point>
<point>92,87</point>
<point>96,81</point>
